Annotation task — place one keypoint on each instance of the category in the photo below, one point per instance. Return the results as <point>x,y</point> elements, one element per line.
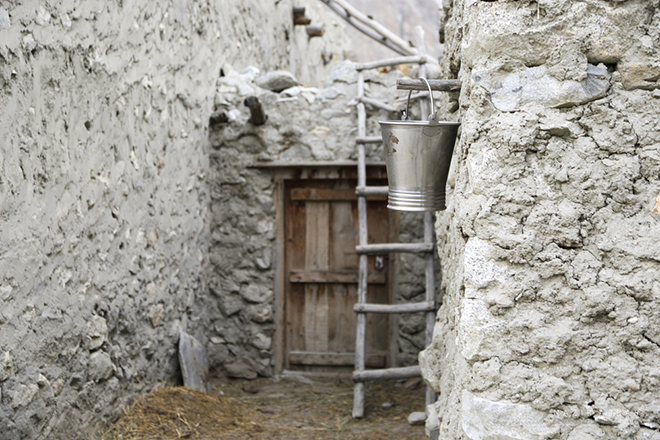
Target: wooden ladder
<point>360,374</point>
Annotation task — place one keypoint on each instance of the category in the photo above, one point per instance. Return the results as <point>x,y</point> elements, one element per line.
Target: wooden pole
<point>440,85</point>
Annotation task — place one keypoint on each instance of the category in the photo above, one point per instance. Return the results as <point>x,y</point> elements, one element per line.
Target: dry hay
<point>175,413</point>
<point>267,409</point>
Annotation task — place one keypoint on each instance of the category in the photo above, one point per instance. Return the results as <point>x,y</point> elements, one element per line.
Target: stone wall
<point>305,124</point>
<point>104,193</point>
<point>549,328</point>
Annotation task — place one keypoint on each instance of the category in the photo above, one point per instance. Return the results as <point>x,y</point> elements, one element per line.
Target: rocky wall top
<point>549,327</point>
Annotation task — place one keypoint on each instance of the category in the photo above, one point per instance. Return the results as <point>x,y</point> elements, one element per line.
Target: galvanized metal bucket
<point>418,158</point>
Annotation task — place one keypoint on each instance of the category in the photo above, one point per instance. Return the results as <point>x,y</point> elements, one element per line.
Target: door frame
<point>282,172</point>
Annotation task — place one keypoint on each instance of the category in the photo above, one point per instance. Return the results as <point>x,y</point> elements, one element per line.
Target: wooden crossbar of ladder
<point>363,249</point>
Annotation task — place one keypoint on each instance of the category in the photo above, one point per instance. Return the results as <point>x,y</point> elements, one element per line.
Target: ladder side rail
<point>425,109</point>
<point>361,328</point>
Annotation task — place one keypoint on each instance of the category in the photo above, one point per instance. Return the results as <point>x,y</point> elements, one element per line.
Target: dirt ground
<point>267,409</point>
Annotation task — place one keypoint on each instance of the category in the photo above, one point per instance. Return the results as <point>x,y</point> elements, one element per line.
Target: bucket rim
<point>420,123</point>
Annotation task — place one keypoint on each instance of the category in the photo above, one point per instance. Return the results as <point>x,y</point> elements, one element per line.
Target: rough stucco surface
<point>104,161</point>
<point>305,124</point>
<point>550,243</point>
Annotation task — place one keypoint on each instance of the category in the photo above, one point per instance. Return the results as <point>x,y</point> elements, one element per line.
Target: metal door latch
<point>379,262</point>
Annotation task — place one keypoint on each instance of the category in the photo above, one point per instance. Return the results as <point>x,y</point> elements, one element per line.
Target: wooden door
<point>322,273</point>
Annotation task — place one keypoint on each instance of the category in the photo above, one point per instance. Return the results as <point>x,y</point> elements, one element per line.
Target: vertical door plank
<point>344,235</point>
<point>317,235</point>
<point>317,243</point>
<point>316,317</point>
<point>294,259</point>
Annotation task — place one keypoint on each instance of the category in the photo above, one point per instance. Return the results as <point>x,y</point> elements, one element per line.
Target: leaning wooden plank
<point>426,306</point>
<point>366,26</point>
<point>440,85</point>
<point>334,276</point>
<point>367,191</point>
<point>387,374</point>
<point>378,104</point>
<point>370,22</point>
<point>334,359</point>
<point>394,62</point>
<point>370,139</point>
<point>194,366</point>
<point>377,249</point>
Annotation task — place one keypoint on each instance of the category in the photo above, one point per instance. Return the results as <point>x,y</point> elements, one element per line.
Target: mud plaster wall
<point>104,161</point>
<point>305,124</point>
<point>550,325</point>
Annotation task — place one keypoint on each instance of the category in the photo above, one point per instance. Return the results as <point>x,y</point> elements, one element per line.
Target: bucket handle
<point>406,114</point>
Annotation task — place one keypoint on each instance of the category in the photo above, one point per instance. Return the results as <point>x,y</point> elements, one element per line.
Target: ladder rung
<point>367,191</point>
<point>387,373</point>
<point>370,140</point>
<point>395,308</point>
<point>377,249</point>
<point>378,104</point>
<point>395,61</point>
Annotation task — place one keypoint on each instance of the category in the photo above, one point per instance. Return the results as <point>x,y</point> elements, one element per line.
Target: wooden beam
<point>301,20</point>
<point>395,308</point>
<point>386,374</point>
<point>334,359</point>
<point>379,249</point>
<point>316,30</point>
<point>334,276</point>
<point>440,85</point>
<point>257,114</point>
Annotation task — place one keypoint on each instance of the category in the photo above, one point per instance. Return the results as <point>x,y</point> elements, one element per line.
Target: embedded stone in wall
<point>240,370</point>
<point>484,419</point>
<point>256,294</point>
<point>24,394</point>
<point>5,22</point>
<point>276,81</point>
<point>6,366</point>
<point>535,86</point>
<point>100,366</point>
<point>97,332</point>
